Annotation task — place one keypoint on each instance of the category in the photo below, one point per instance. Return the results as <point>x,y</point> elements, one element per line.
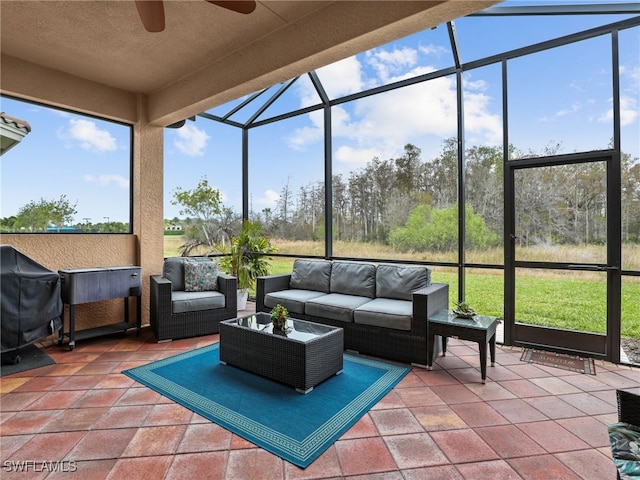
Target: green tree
<point>39,215</point>
<point>213,222</point>
<point>429,229</point>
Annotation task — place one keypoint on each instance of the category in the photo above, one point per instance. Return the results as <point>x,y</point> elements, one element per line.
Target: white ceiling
<point>206,55</point>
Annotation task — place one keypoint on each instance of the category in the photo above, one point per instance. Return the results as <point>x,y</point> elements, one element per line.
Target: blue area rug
<point>296,427</point>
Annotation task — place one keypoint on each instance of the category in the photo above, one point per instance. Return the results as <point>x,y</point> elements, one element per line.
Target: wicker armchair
<point>624,436</point>
<point>176,313</point>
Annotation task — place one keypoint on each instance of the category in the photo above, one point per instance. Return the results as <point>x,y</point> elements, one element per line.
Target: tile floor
<point>527,422</point>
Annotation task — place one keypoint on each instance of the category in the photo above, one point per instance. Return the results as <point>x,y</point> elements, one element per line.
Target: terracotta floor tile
<point>526,370</point>
<point>87,470</point>
<point>589,404</point>
<point>57,445</point>
<point>553,407</point>
<point>102,444</point>
<point>588,465</point>
<point>75,419</point>
<point>138,396</point>
<point>517,410</point>
<point>204,437</point>
<point>438,417</point>
<point>444,472</point>
<point>542,467</point>
<point>362,428</point>
<point>490,391</point>
<point>99,398</point>
<point>441,424</point>
<point>436,377</point>
<point>325,466</point>
<point>395,421</point>
<point>362,456</point>
<point>255,464</point>
<point>390,400</point>
<point>115,380</point>
<point>555,385</point>
<point>18,401</point>
<point>414,451</point>
<point>419,397</point>
<point>40,384</point>
<point>588,429</point>
<point>27,422</point>
<point>552,437</point>
<point>495,470</point>
<point>452,394</point>
<point>150,441</point>
<point>524,388</point>
<point>201,466</point>
<point>125,416</point>
<point>478,414</point>
<point>462,446</point>
<point>509,442</point>
<point>168,414</point>
<point>9,384</point>
<point>143,468</point>
<point>10,443</point>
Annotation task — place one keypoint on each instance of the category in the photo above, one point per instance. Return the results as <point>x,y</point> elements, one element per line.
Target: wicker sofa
<point>383,309</point>
<point>189,300</point>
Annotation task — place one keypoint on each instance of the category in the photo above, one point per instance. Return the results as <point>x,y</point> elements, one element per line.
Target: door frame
<point>605,346</point>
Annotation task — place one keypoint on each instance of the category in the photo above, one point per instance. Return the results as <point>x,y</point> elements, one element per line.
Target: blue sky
<point>562,96</point>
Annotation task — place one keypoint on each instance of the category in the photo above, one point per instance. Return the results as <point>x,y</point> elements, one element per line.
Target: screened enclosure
<point>509,165</point>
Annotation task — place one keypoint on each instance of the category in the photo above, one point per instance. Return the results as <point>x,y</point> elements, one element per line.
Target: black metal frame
<point>458,69</point>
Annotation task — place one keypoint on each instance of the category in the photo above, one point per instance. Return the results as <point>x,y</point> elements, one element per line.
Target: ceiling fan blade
<point>239,6</point>
<point>152,14</point>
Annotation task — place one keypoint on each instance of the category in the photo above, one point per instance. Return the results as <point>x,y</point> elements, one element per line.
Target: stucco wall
<point>144,247</point>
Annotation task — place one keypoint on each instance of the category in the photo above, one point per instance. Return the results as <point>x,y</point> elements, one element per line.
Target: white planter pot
<point>242,299</point>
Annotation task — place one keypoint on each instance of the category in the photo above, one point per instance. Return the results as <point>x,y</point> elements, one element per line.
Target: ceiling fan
<point>152,11</point>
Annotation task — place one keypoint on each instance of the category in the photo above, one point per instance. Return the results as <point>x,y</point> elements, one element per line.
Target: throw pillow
<point>200,276</point>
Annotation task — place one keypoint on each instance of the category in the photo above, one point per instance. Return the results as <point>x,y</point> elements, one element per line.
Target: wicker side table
<point>480,329</point>
<point>308,354</point>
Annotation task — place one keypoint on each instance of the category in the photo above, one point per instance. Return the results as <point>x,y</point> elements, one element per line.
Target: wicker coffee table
<point>303,357</point>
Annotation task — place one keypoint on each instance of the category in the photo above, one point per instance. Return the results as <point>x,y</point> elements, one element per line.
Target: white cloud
<point>88,135</point>
<point>106,180</point>
<point>382,124</point>
<point>191,140</point>
<point>342,78</point>
<point>432,49</point>
<point>268,200</point>
<point>388,63</point>
<point>628,111</point>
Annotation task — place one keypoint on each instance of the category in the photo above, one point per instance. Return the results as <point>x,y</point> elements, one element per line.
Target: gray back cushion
<point>311,275</point>
<point>398,281</point>
<point>173,269</point>
<point>353,278</point>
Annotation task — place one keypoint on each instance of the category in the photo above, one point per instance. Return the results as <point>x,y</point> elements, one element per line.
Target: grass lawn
<point>573,302</point>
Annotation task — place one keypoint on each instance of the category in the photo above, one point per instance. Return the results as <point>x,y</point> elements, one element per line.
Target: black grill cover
<point>31,306</point>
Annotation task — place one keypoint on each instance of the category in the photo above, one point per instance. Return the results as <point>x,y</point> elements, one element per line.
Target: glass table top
<point>299,330</point>
<point>449,318</point>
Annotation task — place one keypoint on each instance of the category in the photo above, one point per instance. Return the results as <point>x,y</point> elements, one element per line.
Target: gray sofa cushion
<point>354,278</point>
<point>385,312</point>
<point>173,270</point>
<point>311,275</point>
<point>335,306</point>
<point>294,300</point>
<point>182,302</point>
<point>399,281</point>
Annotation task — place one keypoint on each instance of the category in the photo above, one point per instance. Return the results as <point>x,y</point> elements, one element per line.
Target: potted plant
<point>464,310</point>
<point>279,316</point>
<point>247,259</point>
